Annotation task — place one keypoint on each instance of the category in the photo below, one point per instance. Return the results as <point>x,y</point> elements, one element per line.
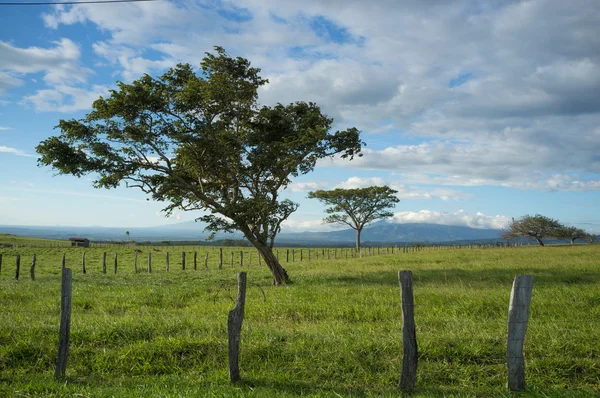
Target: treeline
<point>540,227</point>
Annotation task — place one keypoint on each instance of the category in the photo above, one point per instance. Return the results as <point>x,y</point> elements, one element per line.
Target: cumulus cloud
<point>64,75</point>
<point>65,98</point>
<point>404,192</point>
<point>460,218</point>
<point>306,186</point>
<point>295,225</point>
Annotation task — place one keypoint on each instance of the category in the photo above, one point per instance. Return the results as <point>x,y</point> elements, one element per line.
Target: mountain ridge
<point>379,232</point>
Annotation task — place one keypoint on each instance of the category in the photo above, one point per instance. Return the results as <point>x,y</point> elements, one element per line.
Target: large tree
<point>199,141</point>
<point>537,227</point>
<point>357,207</point>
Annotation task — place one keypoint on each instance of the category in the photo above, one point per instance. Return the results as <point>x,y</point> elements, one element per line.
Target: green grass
<point>335,331</point>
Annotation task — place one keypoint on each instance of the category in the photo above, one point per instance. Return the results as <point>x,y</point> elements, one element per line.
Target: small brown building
<point>79,242</point>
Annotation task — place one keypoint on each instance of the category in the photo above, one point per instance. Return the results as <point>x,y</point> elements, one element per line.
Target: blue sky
<point>475,112</point>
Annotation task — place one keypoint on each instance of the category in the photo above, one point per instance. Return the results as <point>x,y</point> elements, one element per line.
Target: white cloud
<point>294,225</point>
<point>460,218</point>
<point>3,128</point>
<point>404,192</point>
<point>14,151</point>
<point>306,186</point>
<point>65,98</point>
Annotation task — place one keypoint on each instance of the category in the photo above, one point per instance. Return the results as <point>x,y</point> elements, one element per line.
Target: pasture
<point>334,331</point>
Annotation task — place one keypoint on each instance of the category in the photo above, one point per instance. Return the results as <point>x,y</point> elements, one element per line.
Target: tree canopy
<point>537,227</point>
<point>199,141</point>
<point>357,207</point>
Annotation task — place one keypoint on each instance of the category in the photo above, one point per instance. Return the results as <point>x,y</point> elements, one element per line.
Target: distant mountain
<point>380,232</point>
<point>387,232</point>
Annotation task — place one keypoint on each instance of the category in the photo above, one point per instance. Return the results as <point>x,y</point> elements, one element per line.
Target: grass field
<point>335,331</point>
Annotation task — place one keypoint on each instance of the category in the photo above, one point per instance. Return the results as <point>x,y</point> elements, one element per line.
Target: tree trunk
<point>539,241</point>
<point>572,241</point>
<point>358,231</point>
<point>280,276</point>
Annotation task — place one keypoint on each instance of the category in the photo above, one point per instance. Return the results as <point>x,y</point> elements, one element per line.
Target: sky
<point>474,111</point>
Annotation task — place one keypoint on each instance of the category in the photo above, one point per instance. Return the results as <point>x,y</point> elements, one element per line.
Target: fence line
<point>289,257</point>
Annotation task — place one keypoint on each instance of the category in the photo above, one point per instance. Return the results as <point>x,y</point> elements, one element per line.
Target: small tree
<point>591,238</point>
<point>200,142</point>
<point>571,233</point>
<point>537,227</point>
<point>357,207</point>
<point>127,234</point>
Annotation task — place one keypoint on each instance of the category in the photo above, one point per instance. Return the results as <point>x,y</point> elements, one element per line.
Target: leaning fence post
<point>408,376</point>
<point>518,314</point>
<point>65,323</point>
<point>32,269</point>
<point>234,327</point>
<point>18,266</point>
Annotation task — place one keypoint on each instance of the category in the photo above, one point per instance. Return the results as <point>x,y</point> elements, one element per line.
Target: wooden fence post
<point>241,258</point>
<point>32,269</point>
<point>195,263</point>
<point>115,264</point>
<point>206,261</point>
<point>300,255</point>
<point>135,262</point>
<point>83,263</point>
<point>167,261</point>
<point>64,261</point>
<point>232,259</point>
<point>293,255</point>
<point>149,262</point>
<point>65,323</point>
<point>183,261</point>
<point>0,262</point>
<point>250,258</point>
<point>308,255</point>
<point>104,263</point>
<point>287,255</point>
<point>408,376</point>
<point>234,327</point>
<point>18,266</point>
<point>220,258</point>
<point>518,315</point>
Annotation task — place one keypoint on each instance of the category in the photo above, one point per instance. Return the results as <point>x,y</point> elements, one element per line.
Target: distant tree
<point>357,207</point>
<point>571,233</point>
<point>199,141</point>
<point>127,233</point>
<point>537,227</point>
<point>591,238</point>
